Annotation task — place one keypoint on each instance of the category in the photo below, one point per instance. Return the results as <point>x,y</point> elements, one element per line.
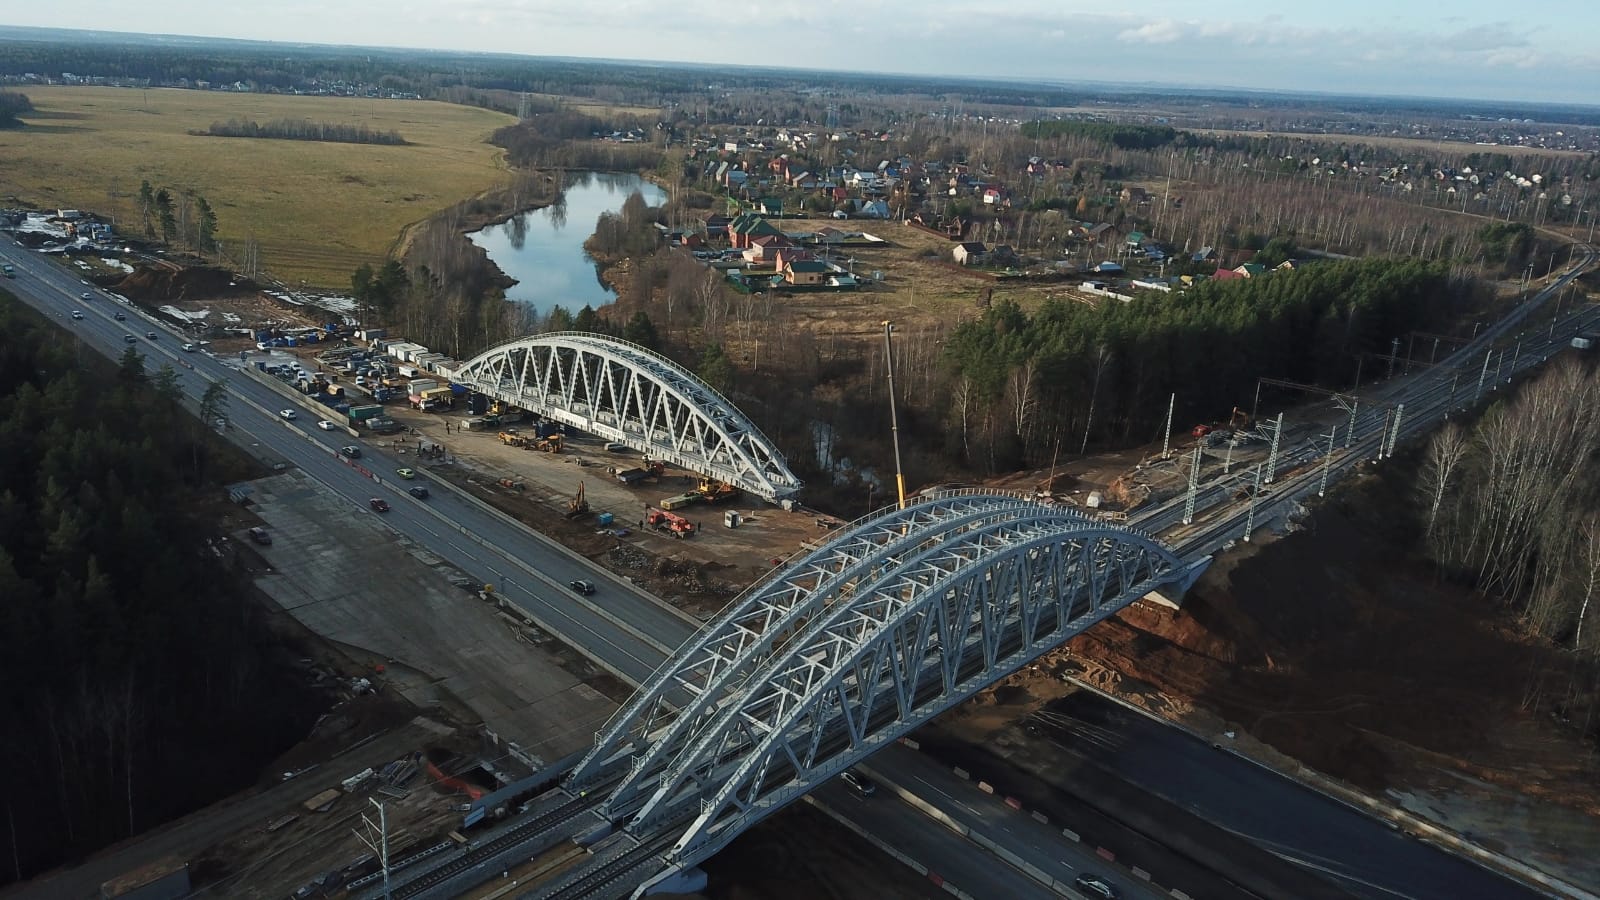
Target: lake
<point>543,248</point>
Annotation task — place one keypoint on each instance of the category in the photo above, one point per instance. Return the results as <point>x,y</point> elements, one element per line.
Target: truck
<point>1583,342</point>
<point>673,524</point>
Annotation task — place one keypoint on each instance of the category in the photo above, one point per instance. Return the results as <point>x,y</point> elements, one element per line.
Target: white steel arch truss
<point>892,621</point>
<point>684,695</point>
<point>623,392</point>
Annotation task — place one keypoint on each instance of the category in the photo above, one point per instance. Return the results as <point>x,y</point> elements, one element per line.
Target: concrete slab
<point>347,578</point>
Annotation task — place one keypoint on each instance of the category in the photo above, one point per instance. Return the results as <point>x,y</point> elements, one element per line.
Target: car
<point>286,414</point>
<point>858,782</point>
<point>583,587</point>
<point>616,447</point>
<point>419,492</point>
<point>150,334</point>
<point>350,452</point>
<point>188,348</point>
<point>325,425</point>
<point>407,474</point>
<point>76,314</point>
<point>361,381</point>
<point>378,504</point>
<point>260,536</point>
<point>129,339</point>
<point>120,317</point>
<point>1092,885</point>
<point>86,295</point>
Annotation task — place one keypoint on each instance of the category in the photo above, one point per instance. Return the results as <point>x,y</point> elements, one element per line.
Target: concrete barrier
<point>986,787</point>
<point>1041,818</point>
<point>1105,854</point>
<point>1179,895</point>
<point>1070,835</point>
<point>1014,803</point>
<point>911,743</point>
<point>1141,874</point>
<point>961,773</point>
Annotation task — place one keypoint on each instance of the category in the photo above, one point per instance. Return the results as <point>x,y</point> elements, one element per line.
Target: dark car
<point>350,452</point>
<point>260,536</point>
<point>860,783</point>
<point>129,339</point>
<point>419,492</point>
<point>1092,885</point>
<point>583,587</point>
<point>150,334</point>
<point>120,317</point>
<point>378,504</point>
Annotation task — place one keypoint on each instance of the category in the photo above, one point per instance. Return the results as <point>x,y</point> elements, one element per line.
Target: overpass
<point>623,392</point>
<point>830,657</point>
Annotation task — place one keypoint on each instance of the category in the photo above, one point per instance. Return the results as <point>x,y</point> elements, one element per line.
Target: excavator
<point>578,506</point>
<point>551,444</point>
<point>714,491</point>
<point>512,439</point>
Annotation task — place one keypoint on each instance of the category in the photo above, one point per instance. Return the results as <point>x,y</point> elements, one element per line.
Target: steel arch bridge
<point>894,620</point>
<point>623,392</point>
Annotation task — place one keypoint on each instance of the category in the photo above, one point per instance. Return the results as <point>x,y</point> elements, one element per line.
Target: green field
<point>317,209</point>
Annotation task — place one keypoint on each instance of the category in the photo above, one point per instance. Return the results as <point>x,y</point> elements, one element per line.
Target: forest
<point>1510,504</point>
<point>304,130</point>
<point>1022,386</point>
<point>142,682</point>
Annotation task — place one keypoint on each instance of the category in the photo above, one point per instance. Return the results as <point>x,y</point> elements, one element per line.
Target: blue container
<point>605,520</point>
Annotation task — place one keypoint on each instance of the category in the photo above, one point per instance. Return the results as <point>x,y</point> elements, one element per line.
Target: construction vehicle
<point>1240,419</point>
<point>509,484</point>
<point>714,491</point>
<point>551,444</point>
<point>578,506</point>
<point>671,523</point>
<point>512,439</point>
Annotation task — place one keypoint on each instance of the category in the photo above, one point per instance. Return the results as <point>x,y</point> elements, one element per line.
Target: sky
<point>1467,49</point>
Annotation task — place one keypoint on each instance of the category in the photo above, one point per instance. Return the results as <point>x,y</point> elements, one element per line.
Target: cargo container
<point>362,413</point>
<point>680,501</point>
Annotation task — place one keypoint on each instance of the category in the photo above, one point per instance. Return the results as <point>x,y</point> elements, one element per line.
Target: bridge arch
<point>626,393</point>
<point>847,647</point>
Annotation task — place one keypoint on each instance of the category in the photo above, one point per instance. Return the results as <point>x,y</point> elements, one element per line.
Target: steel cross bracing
<point>622,392</point>
<point>891,622</point>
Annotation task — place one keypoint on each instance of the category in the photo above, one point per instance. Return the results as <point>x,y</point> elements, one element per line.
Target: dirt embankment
<point>1338,649</point>
<point>159,285</point>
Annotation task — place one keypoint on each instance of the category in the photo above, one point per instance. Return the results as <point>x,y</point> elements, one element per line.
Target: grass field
<point>317,209</point>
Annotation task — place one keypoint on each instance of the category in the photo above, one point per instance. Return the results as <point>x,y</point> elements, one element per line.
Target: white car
<point>86,295</point>
<point>325,425</point>
<point>286,414</point>
<point>188,348</point>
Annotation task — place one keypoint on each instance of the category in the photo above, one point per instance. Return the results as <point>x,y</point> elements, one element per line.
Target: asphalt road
<point>631,633</point>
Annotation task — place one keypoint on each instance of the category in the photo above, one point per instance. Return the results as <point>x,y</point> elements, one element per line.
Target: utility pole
<point>1227,459</point>
<point>1482,375</point>
<point>1327,462</point>
<point>1499,361</point>
<point>1166,436</point>
<point>1350,428</point>
<point>1272,454</point>
<point>1383,436</point>
<point>894,421</point>
<point>1250,517</point>
<point>376,837</point>
<point>1394,433</point>
<point>1394,353</point>
<point>1194,487</point>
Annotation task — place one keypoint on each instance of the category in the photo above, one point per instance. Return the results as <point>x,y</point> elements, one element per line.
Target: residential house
<point>992,195</point>
<point>1108,268</point>
<point>873,209</point>
<point>783,256</point>
<point>1135,239</point>
<point>1101,233</point>
<point>969,253</point>
<point>805,272</point>
<point>805,181</point>
<point>770,206</point>
<point>1288,265</point>
<point>717,226</point>
<point>1251,270</point>
<point>1204,254</point>
<point>1227,274</point>
<point>1132,194</point>
<point>1003,255</point>
<point>763,249</point>
<point>746,227</point>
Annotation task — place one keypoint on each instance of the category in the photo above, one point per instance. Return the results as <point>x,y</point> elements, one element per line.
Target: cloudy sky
<point>1468,48</point>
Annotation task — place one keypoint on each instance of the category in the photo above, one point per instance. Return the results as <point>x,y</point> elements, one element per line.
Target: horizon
<point>1279,60</point>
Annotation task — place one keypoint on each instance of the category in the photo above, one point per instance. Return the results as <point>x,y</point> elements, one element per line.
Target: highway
<point>630,632</point>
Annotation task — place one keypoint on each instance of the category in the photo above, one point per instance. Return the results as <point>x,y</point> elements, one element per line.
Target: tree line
<point>12,105</point>
<point>141,683</point>
<point>304,130</point>
<point>1022,386</point>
